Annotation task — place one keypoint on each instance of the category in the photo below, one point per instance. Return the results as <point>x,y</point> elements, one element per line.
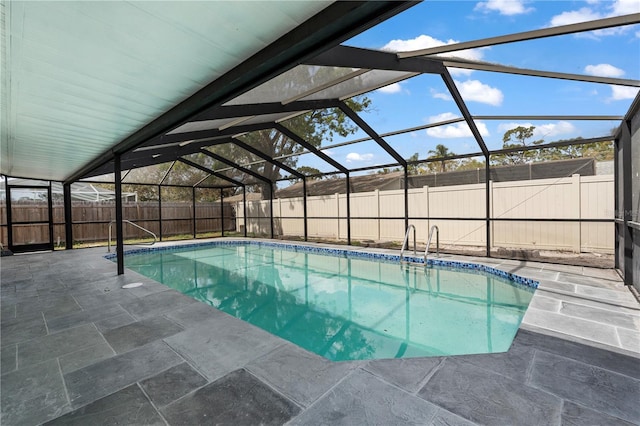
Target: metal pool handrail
<point>406,241</point>
<point>155,239</point>
<point>426,250</point>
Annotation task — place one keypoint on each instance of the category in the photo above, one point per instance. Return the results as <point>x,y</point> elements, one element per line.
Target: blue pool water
<point>346,307</point>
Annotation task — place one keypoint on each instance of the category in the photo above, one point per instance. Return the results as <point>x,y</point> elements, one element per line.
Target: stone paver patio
<point>78,349</point>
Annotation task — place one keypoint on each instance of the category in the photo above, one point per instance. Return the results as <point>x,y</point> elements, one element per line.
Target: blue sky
<point>424,99</point>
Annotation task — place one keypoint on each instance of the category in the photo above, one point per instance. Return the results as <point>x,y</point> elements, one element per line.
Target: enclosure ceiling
<point>325,81</point>
<point>79,78</point>
<point>79,90</point>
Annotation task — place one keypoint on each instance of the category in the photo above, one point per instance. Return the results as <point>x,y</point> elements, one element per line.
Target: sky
<point>424,99</point>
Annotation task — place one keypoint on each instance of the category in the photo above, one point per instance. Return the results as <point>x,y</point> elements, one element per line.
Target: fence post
<point>281,227</point>
<point>427,212</point>
<point>337,216</point>
<point>377,192</point>
<point>575,194</point>
<point>491,223</point>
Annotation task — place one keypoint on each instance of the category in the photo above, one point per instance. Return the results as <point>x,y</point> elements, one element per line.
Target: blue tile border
<point>448,264</point>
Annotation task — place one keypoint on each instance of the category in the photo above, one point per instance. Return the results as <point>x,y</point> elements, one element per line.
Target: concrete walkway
<point>78,349</point>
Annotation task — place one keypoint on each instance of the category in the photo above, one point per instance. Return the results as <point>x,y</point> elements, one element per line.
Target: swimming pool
<point>347,305</point>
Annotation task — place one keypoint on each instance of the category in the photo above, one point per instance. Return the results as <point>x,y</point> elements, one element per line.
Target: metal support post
<point>271,208</point>
<point>119,227</point>
<point>244,209</point>
<point>160,211</point>
<point>68,217</point>
<point>304,207</point>
<point>406,198</point>
<point>193,206</point>
<point>487,191</point>
<point>221,213</point>
<point>348,210</point>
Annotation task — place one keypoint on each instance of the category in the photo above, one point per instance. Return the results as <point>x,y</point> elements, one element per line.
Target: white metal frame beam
<point>597,24</point>
<point>485,66</point>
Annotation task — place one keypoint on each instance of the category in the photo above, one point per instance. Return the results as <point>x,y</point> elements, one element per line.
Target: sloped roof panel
<point>81,76</point>
<point>291,84</point>
<point>361,84</point>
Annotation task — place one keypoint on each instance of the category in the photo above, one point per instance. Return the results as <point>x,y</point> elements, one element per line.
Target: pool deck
<point>77,348</point>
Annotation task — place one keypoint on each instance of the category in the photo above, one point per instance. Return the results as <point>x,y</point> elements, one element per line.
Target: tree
<point>470,164</point>
<point>314,127</point>
<point>441,152</point>
<point>173,174</point>
<point>599,151</point>
<point>517,137</point>
<point>384,171</point>
<point>413,168</point>
<point>311,171</point>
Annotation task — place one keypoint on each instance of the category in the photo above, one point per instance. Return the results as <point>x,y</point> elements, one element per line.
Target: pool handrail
<point>155,238</point>
<point>406,241</point>
<point>426,250</point>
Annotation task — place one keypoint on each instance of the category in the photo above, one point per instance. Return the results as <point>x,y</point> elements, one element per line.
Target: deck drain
<point>132,285</point>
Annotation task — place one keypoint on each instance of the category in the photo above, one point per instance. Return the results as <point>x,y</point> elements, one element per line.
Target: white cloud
<point>421,42</point>
<point>598,10</point>
<point>575,16</point>
<point>504,7</point>
<point>457,130</point>
<point>503,127</point>
<point>474,90</point>
<point>542,131</point>
<point>442,117</point>
<point>390,89</point>
<point>604,70</point>
<point>553,129</point>
<point>625,7</point>
<point>353,157</point>
<point>425,42</point>
<point>619,93</point>
<point>440,95</point>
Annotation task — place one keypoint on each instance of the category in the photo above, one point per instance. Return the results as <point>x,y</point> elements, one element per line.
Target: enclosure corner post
<point>68,217</point>
<point>119,229</point>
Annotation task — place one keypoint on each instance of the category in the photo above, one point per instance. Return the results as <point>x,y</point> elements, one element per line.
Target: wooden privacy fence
<point>91,220</point>
<point>459,212</point>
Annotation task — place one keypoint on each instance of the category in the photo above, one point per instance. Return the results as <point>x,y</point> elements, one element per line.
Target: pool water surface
<point>343,307</point>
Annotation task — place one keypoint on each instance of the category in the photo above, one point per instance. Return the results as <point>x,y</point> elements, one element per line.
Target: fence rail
<point>534,214</point>
<point>90,220</point>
